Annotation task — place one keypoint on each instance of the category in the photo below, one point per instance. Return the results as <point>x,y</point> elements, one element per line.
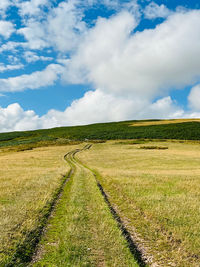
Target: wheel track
<point>133,247</point>
<point>22,258</point>
<point>70,158</point>
<point>26,251</point>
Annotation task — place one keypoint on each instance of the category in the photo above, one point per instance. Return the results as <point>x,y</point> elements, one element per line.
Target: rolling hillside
<point>149,129</point>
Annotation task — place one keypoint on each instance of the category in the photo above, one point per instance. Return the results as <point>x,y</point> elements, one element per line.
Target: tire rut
<point>133,247</point>
<point>27,251</point>
<point>30,244</point>
<point>70,159</point>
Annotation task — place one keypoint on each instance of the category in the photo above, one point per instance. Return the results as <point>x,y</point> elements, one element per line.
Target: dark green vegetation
<point>153,147</point>
<point>103,131</point>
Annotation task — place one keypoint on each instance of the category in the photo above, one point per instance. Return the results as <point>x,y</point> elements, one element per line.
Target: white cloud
<point>6,28</point>
<point>4,67</point>
<point>4,4</point>
<point>97,107</point>
<point>32,7</point>
<point>164,108</point>
<point>14,118</point>
<point>60,29</point>
<point>194,98</point>
<point>147,63</point>
<point>132,6</point>
<point>65,26</point>
<point>101,107</point>
<point>13,59</point>
<point>131,69</point>
<point>114,4</point>
<point>34,80</point>
<point>154,10</point>
<point>10,46</point>
<point>191,115</point>
<point>110,4</point>
<point>35,35</point>
<point>102,45</point>
<point>33,57</point>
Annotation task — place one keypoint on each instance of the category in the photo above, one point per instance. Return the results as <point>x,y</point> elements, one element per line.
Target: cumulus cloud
<point>4,67</point>
<point>103,45</point>
<point>66,26</point>
<point>10,46</point>
<point>110,4</point>
<point>33,57</point>
<point>32,7</point>
<point>60,29</point>
<point>14,118</point>
<point>98,107</point>
<point>34,80</point>
<point>163,108</point>
<point>6,28</point>
<point>146,63</point>
<point>154,10</point>
<point>35,35</point>
<point>130,68</point>
<point>194,98</point>
<point>132,6</point>
<point>4,4</point>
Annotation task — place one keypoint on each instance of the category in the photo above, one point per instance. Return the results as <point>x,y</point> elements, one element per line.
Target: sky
<point>78,62</point>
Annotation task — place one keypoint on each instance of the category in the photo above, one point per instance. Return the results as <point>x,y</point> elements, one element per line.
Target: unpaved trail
<point>133,246</point>
<point>96,241</point>
<point>82,226</point>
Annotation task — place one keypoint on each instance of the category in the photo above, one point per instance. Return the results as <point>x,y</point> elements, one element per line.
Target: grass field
<point>123,202</point>
<point>28,179</point>
<point>157,194</point>
<point>161,122</point>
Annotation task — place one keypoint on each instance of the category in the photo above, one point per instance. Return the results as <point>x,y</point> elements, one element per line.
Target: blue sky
<point>78,62</point>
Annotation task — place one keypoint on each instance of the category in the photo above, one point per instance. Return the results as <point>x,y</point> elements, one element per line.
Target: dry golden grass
<point>157,193</point>
<point>146,123</point>
<point>27,181</point>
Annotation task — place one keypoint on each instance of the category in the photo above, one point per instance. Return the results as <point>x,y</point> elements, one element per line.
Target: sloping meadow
<point>150,129</point>
<point>28,182</point>
<point>156,193</point>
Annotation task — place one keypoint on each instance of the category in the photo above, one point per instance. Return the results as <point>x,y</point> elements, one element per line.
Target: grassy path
<point>82,231</point>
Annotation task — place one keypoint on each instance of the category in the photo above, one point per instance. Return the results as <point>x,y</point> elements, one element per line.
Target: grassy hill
<point>147,129</point>
<point>137,186</point>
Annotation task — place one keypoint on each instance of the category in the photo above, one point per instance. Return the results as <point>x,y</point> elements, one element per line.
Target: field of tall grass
<point>28,180</point>
<point>156,193</point>
<point>152,185</point>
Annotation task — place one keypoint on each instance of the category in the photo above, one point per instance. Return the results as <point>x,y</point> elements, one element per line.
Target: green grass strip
<point>82,231</point>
